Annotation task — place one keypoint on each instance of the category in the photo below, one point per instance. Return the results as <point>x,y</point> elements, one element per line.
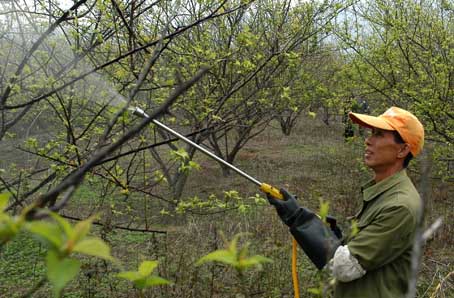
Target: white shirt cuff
<point>345,267</point>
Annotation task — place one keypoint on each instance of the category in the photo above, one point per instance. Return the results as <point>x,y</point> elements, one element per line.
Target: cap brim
<point>369,121</point>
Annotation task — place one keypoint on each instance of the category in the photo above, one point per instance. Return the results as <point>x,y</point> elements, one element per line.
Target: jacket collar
<point>371,189</point>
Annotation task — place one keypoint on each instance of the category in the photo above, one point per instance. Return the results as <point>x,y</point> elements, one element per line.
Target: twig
<point>69,192</point>
<point>421,237</point>
<point>118,227</point>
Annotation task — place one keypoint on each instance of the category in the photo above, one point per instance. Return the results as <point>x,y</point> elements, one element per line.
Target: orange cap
<point>404,122</point>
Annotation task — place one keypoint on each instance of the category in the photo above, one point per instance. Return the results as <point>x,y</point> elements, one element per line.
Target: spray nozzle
<point>138,112</point>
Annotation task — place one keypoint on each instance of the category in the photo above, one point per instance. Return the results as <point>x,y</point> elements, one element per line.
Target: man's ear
<point>404,150</point>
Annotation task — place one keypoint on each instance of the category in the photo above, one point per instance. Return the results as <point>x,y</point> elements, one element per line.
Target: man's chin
<point>368,163</point>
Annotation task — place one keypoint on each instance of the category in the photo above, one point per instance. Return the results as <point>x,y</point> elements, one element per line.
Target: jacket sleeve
<point>384,238</point>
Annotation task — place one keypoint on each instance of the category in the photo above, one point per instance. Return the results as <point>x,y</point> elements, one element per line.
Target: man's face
<point>382,151</point>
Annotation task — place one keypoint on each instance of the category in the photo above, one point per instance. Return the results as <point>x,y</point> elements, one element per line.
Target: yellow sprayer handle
<point>274,192</point>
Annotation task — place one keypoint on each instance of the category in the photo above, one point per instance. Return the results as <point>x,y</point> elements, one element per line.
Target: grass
<point>314,162</point>
<point>21,265</point>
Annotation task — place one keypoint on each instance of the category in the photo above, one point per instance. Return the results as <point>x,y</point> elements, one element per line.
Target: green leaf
<point>233,257</point>
<point>155,281</point>
<point>66,226</point>
<point>243,251</point>
<point>180,154</point>
<point>142,278</point>
<point>222,255</point>
<point>194,165</point>
<point>130,275</point>
<point>147,267</point>
<point>4,217</point>
<point>60,271</point>
<point>7,230</point>
<point>49,232</point>
<point>324,209</point>
<point>82,228</point>
<point>254,261</point>
<point>354,228</point>
<point>94,247</point>
<point>146,282</point>
<point>4,198</point>
<point>314,291</point>
<point>233,244</point>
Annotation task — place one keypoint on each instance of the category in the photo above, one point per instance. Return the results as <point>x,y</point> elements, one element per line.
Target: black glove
<point>333,225</point>
<point>315,237</point>
<point>318,240</point>
<point>286,208</point>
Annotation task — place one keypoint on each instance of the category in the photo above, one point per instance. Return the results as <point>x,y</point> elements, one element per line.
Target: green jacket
<point>387,222</point>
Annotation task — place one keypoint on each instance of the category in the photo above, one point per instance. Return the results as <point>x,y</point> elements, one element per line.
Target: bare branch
<point>97,223</point>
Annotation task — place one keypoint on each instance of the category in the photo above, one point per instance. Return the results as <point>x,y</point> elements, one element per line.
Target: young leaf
<point>233,257</point>
<point>354,228</point>
<point>222,255</point>
<point>233,244</point>
<point>155,281</point>
<point>256,260</point>
<point>49,232</point>
<point>82,228</point>
<point>7,230</point>
<point>60,271</point>
<point>243,251</point>
<point>142,278</point>
<point>315,291</point>
<point>150,281</point>
<point>64,224</point>
<point>324,209</point>
<point>130,275</point>
<point>4,198</point>
<point>180,154</point>
<point>94,247</point>
<point>147,267</point>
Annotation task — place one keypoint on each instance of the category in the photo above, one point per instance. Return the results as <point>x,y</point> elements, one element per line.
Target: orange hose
<point>296,287</point>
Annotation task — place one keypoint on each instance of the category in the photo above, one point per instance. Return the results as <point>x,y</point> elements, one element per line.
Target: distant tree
<point>253,50</point>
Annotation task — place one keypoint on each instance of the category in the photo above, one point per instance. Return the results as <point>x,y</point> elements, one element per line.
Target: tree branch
<point>75,178</point>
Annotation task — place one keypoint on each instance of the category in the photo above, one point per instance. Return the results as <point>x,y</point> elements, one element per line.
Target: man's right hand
<point>286,208</point>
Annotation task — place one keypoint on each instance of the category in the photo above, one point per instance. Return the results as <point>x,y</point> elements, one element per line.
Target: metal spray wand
<point>263,186</point>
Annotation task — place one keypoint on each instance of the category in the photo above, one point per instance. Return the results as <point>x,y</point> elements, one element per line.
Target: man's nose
<point>367,141</point>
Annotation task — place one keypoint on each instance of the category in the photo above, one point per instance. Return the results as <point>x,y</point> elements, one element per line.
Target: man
<point>376,262</point>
